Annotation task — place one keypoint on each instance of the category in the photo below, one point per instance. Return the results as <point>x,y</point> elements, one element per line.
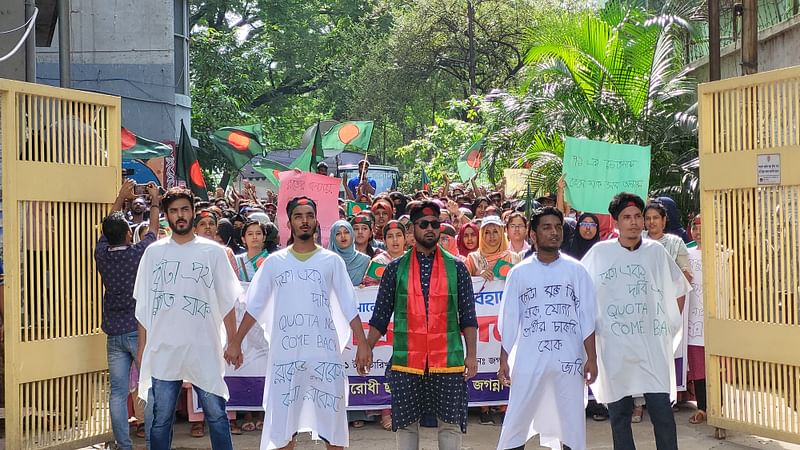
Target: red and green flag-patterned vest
<point>431,340</point>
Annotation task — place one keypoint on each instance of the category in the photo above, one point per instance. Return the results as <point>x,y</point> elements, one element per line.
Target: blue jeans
<point>121,354</point>
<point>660,411</point>
<point>160,416</point>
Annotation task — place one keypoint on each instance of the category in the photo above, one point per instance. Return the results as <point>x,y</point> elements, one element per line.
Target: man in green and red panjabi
<point>430,294</point>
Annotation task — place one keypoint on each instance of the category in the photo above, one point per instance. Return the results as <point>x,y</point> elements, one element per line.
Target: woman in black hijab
<point>586,236</point>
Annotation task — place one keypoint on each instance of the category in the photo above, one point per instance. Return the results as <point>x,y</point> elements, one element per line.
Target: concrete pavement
<point>484,437</point>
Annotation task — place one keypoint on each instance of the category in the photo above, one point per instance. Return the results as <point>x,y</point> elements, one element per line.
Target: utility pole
<point>64,49</point>
<point>749,37</point>
<point>473,84</point>
<point>714,72</point>
<point>30,45</point>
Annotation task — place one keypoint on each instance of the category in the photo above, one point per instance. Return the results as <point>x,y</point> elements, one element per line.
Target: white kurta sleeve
<point>344,306</point>
<point>141,291</point>
<point>227,287</point>
<point>508,319</point>
<point>260,297</point>
<point>586,295</point>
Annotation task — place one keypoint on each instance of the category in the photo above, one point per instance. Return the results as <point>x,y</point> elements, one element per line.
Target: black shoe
<point>486,418</point>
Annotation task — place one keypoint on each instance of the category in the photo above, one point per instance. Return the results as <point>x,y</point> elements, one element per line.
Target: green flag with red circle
<point>501,269</point>
<point>375,270</point>
<point>239,144</point>
<point>351,135</point>
<point>137,147</point>
<point>354,208</point>
<point>187,167</point>
<point>473,161</point>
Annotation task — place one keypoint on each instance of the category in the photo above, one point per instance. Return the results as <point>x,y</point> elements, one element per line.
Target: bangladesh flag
<point>269,169</point>
<point>187,166</point>
<point>501,269</point>
<point>307,161</point>
<point>354,208</point>
<point>425,182</point>
<point>375,270</point>
<point>239,144</point>
<point>136,147</point>
<point>347,136</point>
<point>469,162</point>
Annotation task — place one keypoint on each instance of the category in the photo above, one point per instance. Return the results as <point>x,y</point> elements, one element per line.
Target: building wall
<point>778,48</point>
<point>12,15</point>
<point>125,48</point>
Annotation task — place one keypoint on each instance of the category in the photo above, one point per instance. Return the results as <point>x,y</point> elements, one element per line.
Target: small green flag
<point>347,135</point>
<point>239,144</point>
<point>354,208</point>
<point>375,270</point>
<point>269,169</point>
<point>137,147</point>
<point>470,161</point>
<point>501,269</point>
<point>187,167</point>
<point>307,161</point>
<point>425,182</point>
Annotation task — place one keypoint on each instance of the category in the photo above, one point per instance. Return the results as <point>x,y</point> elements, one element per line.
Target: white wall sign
<point>769,169</point>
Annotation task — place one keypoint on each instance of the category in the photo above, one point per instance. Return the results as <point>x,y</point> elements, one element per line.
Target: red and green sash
<point>431,341</point>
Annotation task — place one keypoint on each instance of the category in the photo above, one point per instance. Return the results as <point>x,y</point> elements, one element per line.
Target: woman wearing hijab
<point>342,243</point>
<point>673,219</point>
<point>588,234</point>
<point>447,240</point>
<point>493,247</point>
<point>468,239</point>
<point>394,233</point>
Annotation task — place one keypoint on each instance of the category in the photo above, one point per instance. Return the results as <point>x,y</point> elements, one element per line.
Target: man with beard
<point>138,208</point>
<point>430,294</point>
<point>547,323</point>
<point>185,290</point>
<point>304,300</point>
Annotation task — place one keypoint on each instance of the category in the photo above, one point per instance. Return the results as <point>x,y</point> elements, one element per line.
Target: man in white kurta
<point>640,293</point>
<point>306,304</point>
<point>184,288</point>
<point>546,322</point>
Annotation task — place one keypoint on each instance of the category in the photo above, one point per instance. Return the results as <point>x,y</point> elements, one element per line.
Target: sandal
<point>697,418</point>
<point>248,427</point>
<point>259,425</point>
<point>386,422</point>
<point>140,430</point>
<point>198,429</point>
<point>358,424</point>
<point>638,412</point>
<point>235,430</point>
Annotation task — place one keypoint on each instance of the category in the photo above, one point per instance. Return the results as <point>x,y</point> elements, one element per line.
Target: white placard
<point>769,169</point>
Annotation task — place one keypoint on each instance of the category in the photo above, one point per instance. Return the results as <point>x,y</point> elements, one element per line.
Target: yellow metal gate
<point>60,170</point>
<point>750,181</point>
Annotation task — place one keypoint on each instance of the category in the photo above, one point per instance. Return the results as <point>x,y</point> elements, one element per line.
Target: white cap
<point>492,220</point>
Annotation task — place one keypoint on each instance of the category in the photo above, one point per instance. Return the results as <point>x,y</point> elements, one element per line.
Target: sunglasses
<point>428,223</point>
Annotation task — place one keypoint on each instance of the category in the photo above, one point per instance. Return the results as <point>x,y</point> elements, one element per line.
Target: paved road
<point>484,437</point>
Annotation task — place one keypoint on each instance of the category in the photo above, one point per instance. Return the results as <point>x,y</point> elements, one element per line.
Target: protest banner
<point>596,171</point>
<point>372,392</point>
<point>322,189</point>
<point>516,181</point>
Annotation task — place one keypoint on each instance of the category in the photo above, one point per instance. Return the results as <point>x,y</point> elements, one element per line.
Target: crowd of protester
<point>477,226</point>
